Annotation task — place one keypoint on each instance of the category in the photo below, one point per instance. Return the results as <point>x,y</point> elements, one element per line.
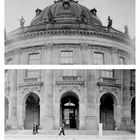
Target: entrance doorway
<point>32,111</point>
<point>70,111</point>
<point>133,110</point>
<point>6,109</point>
<point>107,112</point>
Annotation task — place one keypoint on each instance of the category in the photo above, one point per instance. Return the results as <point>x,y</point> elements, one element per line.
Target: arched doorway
<point>32,111</point>
<point>6,109</point>
<point>133,109</point>
<point>69,110</point>
<point>107,112</point>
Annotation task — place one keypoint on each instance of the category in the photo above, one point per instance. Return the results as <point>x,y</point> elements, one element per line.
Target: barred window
<point>66,57</point>
<point>107,73</point>
<point>34,58</point>
<point>32,73</point>
<point>98,58</point>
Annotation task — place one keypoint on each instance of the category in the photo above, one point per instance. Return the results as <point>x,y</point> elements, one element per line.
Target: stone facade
<point>79,98</point>
<point>75,35</point>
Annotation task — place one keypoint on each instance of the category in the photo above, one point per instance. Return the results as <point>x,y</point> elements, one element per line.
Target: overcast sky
<point>121,11</point>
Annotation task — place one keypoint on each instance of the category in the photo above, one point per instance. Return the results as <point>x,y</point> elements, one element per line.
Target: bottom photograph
<point>71,102</point>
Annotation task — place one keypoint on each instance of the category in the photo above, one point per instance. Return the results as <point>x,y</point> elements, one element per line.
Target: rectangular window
<point>107,73</point>
<point>98,58</point>
<point>122,60</point>
<point>34,58</point>
<point>66,57</point>
<point>32,73</point>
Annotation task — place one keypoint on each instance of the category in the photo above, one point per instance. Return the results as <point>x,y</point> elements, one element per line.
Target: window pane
<point>107,73</point>
<point>98,58</point>
<point>32,73</point>
<point>34,58</point>
<point>66,57</point>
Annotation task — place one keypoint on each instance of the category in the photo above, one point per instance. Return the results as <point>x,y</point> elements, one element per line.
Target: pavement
<point>69,137</point>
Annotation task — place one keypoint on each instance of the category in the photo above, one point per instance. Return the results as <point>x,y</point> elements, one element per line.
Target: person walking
<point>34,129</point>
<point>62,131</point>
<point>37,127</point>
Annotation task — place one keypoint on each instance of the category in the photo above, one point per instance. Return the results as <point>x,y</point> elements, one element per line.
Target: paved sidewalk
<point>69,137</point>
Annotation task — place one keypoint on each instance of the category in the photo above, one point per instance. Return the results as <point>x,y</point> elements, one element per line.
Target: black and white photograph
<point>77,104</point>
<point>86,32</point>
<point>69,70</point>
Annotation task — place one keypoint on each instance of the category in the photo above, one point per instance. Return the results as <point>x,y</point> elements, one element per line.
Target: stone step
<point>68,132</point>
<point>68,137</point>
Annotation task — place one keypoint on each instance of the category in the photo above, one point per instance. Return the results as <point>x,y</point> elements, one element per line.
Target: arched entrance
<point>69,110</point>
<point>133,109</point>
<point>6,109</point>
<point>107,112</point>
<point>32,111</point>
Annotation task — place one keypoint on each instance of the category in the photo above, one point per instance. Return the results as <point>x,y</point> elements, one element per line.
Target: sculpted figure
<point>109,22</point>
<point>22,22</point>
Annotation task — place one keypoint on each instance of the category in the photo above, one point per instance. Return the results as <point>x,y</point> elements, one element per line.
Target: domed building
<point>81,99</point>
<point>68,33</point>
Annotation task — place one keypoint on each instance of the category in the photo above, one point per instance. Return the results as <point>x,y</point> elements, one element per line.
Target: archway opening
<point>6,109</point>
<point>107,112</point>
<point>32,111</point>
<point>69,110</point>
<point>133,110</point>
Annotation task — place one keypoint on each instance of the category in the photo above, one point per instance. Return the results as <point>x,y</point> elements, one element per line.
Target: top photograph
<point>69,32</point>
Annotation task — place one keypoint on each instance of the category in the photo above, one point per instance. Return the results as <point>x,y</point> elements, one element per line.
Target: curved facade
<point>80,98</point>
<point>68,33</point>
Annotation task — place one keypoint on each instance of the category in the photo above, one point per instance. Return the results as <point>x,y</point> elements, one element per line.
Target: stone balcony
<point>70,80</point>
<point>108,82</point>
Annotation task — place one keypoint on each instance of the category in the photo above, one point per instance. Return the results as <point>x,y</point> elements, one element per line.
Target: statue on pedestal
<point>22,22</point>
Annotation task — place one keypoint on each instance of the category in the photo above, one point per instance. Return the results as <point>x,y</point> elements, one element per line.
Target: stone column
<point>117,116</point>
<point>82,112</point>
<point>84,55</point>
<point>114,53</point>
<point>126,96</point>
<point>47,54</point>
<point>17,56</point>
<point>46,121</point>
<point>12,122</point>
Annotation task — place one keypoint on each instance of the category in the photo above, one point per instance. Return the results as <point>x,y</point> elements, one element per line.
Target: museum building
<point>81,99</point>
<point>68,33</point>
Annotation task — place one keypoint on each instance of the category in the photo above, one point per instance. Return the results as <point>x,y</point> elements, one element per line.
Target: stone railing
<point>70,78</point>
<point>68,28</point>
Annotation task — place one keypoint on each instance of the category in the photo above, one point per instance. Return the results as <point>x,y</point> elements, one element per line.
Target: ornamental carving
<point>31,87</point>
<point>70,85</point>
<point>108,84</point>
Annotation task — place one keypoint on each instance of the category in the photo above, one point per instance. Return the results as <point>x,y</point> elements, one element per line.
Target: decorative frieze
<point>108,84</point>
<point>70,83</point>
<point>30,85</point>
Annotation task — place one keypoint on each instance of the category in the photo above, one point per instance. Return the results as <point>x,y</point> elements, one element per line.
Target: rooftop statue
<point>22,22</point>
<point>109,23</point>
<point>126,29</point>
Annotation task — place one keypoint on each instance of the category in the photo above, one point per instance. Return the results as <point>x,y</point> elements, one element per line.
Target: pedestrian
<point>37,127</point>
<point>61,130</point>
<point>34,129</point>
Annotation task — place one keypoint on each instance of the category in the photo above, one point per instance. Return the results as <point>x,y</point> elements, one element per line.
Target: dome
<point>66,11</point>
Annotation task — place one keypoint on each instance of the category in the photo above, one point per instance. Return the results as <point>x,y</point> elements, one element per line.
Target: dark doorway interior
<point>32,112</point>
<point>70,111</point>
<point>6,109</point>
<point>133,110</point>
<point>107,112</point>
